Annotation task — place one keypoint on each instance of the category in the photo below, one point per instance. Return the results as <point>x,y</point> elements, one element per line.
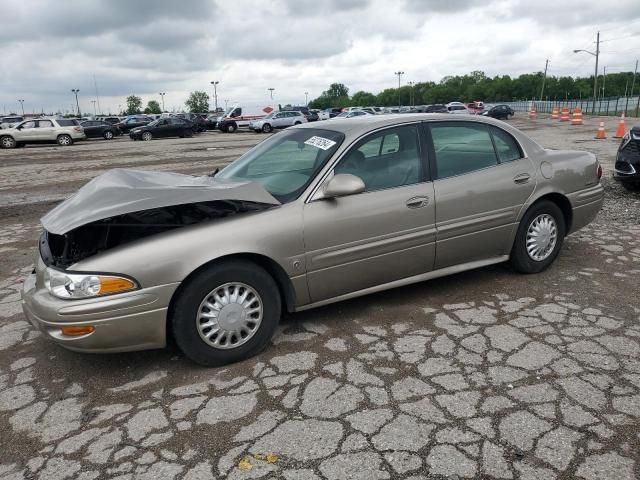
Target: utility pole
<point>94,108</point>
<point>95,84</point>
<point>271,89</point>
<point>399,74</point>
<point>544,78</point>
<point>306,98</point>
<point>411,93</point>
<point>75,91</point>
<point>21,100</point>
<point>595,76</point>
<point>215,93</point>
<point>162,94</point>
<point>633,84</point>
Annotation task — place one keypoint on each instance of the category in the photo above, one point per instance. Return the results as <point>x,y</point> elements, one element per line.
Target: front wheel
<point>7,142</point>
<point>267,128</point>
<point>147,136</point>
<point>108,135</point>
<point>539,238</point>
<point>231,127</point>
<point>64,140</point>
<point>226,313</point>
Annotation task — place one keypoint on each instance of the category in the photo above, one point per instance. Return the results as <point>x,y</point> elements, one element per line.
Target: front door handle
<point>522,178</point>
<point>417,202</point>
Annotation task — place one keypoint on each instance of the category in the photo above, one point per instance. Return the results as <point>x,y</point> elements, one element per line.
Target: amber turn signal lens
<point>77,331</point>
<point>109,285</point>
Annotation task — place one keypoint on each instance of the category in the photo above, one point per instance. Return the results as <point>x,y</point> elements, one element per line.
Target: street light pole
<point>399,74</point>
<point>215,93</point>
<point>595,76</point>
<point>75,91</point>
<point>162,94</point>
<point>411,84</point>
<point>271,89</point>
<point>21,100</point>
<point>94,108</point>
<point>306,98</point>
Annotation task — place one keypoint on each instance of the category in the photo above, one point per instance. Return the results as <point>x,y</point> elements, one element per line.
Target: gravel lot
<point>486,374</point>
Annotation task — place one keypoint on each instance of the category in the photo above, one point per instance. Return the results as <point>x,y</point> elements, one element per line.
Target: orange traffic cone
<point>620,130</point>
<point>555,113</point>
<point>600,133</point>
<point>564,117</point>
<point>532,112</point>
<point>576,118</point>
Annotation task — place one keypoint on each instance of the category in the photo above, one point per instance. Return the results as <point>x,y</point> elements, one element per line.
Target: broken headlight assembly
<point>85,285</point>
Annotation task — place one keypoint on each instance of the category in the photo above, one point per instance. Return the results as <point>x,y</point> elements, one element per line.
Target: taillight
<point>78,129</point>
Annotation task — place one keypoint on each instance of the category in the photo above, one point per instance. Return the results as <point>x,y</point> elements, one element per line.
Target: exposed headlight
<point>80,285</point>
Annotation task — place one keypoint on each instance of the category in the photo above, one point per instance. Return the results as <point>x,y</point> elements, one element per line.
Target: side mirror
<point>342,185</point>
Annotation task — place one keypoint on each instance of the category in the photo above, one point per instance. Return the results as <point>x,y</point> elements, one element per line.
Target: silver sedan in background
<point>313,215</point>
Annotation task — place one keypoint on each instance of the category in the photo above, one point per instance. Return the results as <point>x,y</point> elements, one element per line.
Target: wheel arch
<point>563,204</point>
<point>273,268</point>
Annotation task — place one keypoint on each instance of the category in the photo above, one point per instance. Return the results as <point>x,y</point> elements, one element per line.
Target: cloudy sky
<point>144,47</point>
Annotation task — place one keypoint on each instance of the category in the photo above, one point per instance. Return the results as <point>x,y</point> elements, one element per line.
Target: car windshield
<point>285,163</point>
<point>271,115</point>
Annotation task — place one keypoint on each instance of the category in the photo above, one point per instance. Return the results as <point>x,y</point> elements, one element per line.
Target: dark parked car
<point>501,112</point>
<point>436,109</point>
<point>308,114</point>
<point>111,120</point>
<point>211,122</point>
<point>196,119</point>
<point>163,127</point>
<point>97,129</point>
<point>627,167</point>
<point>134,121</point>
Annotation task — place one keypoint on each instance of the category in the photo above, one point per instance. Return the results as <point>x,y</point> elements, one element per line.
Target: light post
<point>306,98</point>
<point>75,91</point>
<point>399,74</point>
<point>21,100</point>
<point>215,93</point>
<point>595,76</point>
<point>226,105</point>
<point>411,84</point>
<point>94,107</point>
<point>271,89</point>
<point>162,94</point>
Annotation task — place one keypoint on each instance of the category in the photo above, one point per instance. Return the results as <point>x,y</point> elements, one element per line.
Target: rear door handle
<point>417,202</point>
<point>522,178</point>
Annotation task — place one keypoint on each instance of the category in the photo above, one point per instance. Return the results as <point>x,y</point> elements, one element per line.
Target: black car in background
<point>162,128</point>
<point>627,166</point>
<point>308,114</point>
<point>133,121</point>
<point>97,129</point>
<point>111,120</point>
<point>501,112</point>
<point>436,109</point>
<point>196,119</point>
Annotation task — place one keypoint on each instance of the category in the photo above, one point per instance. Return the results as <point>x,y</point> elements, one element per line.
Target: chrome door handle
<point>417,202</point>
<point>522,178</point>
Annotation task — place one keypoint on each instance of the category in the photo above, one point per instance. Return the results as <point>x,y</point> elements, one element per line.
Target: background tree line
<point>197,102</point>
<point>477,86</point>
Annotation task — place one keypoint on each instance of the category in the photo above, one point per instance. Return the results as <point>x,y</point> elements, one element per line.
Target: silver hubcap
<point>108,135</point>
<point>146,136</point>
<point>542,235</point>
<point>64,140</point>
<point>7,142</point>
<point>229,315</point>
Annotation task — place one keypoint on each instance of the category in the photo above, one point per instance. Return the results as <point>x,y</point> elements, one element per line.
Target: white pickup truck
<point>42,130</point>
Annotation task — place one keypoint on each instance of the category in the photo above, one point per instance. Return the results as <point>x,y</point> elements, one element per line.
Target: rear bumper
<point>125,322</point>
<point>586,205</point>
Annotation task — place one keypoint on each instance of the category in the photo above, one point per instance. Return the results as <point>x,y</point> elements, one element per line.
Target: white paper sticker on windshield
<point>319,142</point>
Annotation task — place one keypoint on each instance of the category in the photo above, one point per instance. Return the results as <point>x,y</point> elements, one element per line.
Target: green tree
<point>134,104</point>
<point>153,107</point>
<point>336,90</point>
<point>363,99</point>
<point>198,102</point>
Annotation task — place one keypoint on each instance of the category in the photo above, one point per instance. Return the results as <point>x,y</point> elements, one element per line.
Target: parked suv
<point>277,120</point>
<point>133,121</point>
<point>61,131</point>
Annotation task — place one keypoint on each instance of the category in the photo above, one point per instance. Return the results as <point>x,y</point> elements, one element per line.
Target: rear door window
<point>45,124</point>
<point>461,148</point>
<point>506,146</point>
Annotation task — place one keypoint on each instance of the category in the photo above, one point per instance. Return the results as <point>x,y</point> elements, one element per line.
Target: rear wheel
<point>231,127</point>
<point>65,140</point>
<point>226,313</point>
<point>7,142</point>
<point>298,123</point>
<point>267,128</point>
<point>108,135</point>
<point>147,136</point>
<point>539,238</point>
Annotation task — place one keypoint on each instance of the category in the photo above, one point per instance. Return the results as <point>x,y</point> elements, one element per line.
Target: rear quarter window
<point>67,123</point>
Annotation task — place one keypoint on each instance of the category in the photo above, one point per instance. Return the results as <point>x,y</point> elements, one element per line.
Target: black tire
<point>631,186</point>
<point>184,312</point>
<point>147,136</point>
<point>231,127</point>
<point>267,128</point>
<point>7,142</point>
<point>520,258</point>
<point>108,135</point>
<point>298,123</point>
<point>64,140</point>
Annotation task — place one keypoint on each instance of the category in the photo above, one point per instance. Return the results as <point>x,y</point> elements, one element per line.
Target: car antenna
<point>214,173</point>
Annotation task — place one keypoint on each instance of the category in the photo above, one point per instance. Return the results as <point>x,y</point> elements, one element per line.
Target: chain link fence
<point>613,106</point>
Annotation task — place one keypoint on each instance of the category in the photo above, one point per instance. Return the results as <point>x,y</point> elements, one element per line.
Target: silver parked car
<point>44,130</point>
<point>313,215</point>
<point>275,120</point>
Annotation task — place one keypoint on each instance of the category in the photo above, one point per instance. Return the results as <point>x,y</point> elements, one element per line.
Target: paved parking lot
<point>486,374</point>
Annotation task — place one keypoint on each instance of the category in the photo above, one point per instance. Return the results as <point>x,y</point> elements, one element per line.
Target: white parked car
<point>457,108</point>
<point>51,130</point>
<point>353,114</point>
<point>277,120</point>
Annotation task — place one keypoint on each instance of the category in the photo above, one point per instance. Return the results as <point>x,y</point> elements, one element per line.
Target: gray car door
<point>481,181</point>
<point>383,234</point>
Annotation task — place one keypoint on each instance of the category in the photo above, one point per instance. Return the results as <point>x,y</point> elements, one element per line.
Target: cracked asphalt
<point>485,374</point>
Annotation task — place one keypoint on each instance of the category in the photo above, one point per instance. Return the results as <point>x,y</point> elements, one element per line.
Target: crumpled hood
<point>123,191</point>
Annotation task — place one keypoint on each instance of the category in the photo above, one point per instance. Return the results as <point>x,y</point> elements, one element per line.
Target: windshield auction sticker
<point>319,142</point>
